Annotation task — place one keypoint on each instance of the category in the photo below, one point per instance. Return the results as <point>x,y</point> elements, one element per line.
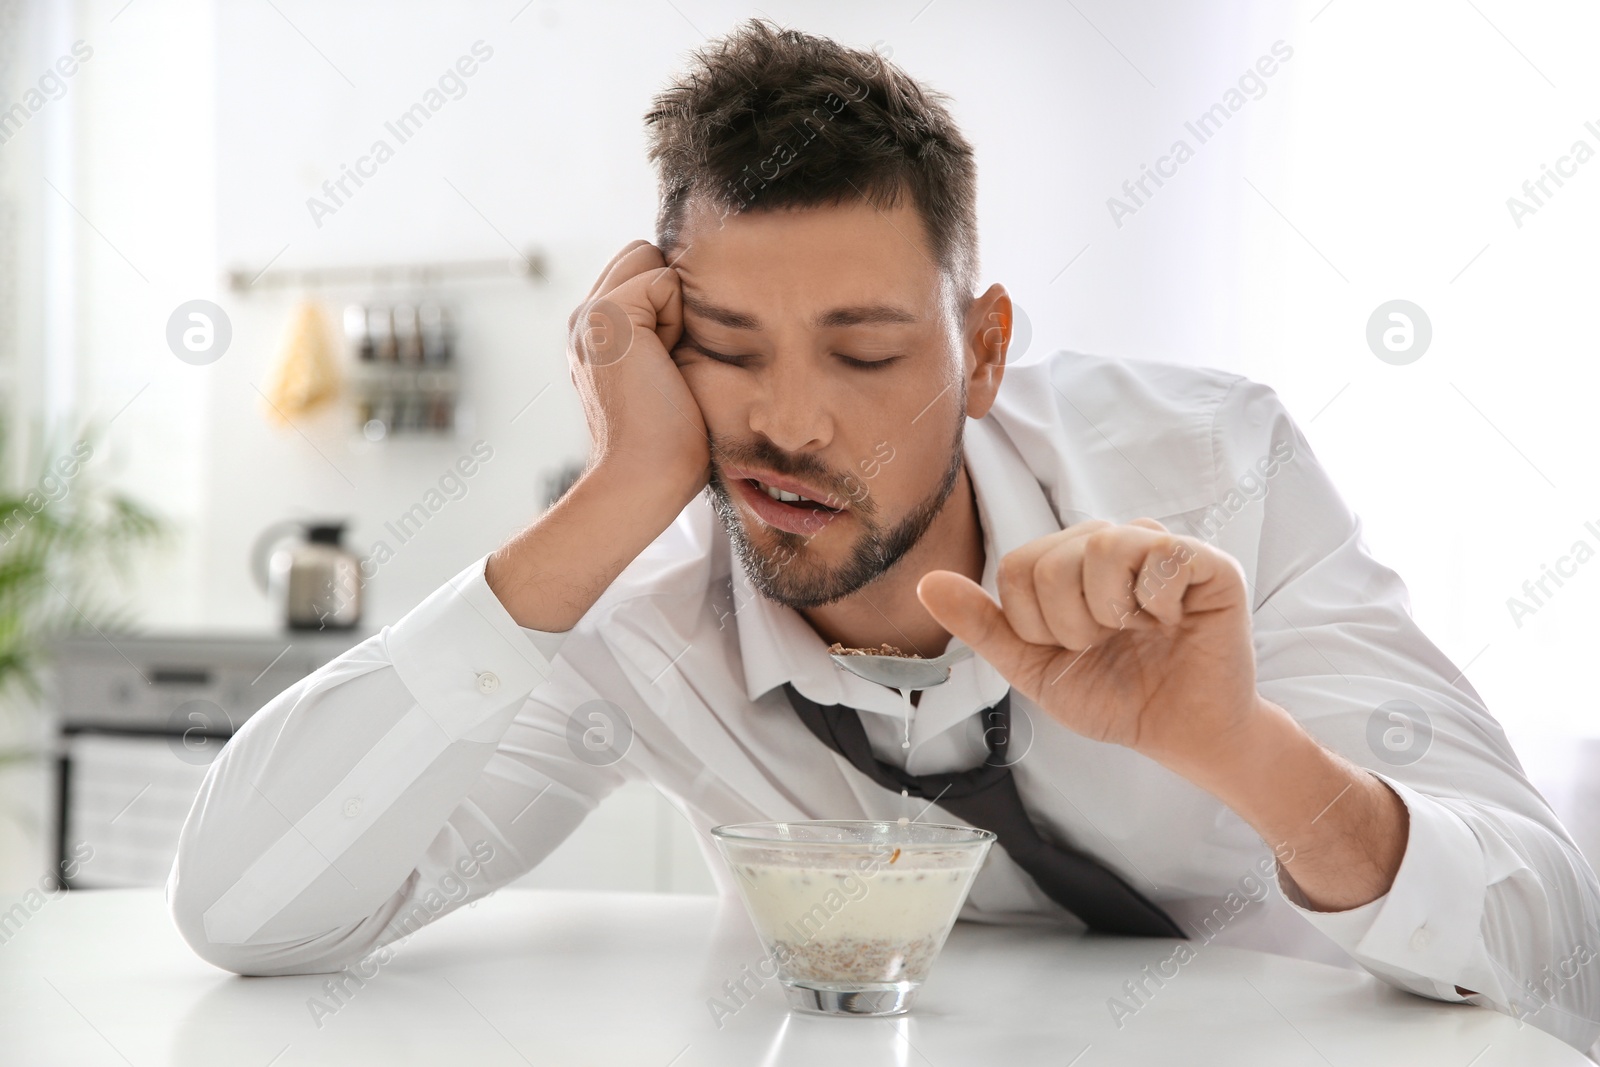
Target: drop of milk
<point>905,698</point>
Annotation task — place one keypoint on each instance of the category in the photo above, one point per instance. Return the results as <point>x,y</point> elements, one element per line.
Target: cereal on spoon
<point>838,649</point>
<point>882,650</point>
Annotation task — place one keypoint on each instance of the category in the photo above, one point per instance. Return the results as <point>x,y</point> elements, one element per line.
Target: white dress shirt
<point>338,817</point>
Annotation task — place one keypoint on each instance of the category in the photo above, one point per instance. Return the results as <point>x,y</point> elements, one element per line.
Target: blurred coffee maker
<point>311,579</point>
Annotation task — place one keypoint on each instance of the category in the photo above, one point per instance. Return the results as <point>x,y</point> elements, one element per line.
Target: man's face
<point>820,347</point>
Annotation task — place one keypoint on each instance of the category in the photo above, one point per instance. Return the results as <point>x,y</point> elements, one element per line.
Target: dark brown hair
<point>768,118</point>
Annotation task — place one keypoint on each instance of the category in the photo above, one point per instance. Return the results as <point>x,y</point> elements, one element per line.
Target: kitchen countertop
<point>546,977</point>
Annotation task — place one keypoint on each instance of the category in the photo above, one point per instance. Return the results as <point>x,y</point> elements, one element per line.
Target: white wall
<point>1411,126</point>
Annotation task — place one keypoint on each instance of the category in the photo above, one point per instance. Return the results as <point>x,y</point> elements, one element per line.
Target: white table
<point>543,977</point>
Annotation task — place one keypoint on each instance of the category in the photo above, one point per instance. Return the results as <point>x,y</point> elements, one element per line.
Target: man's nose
<point>789,410</point>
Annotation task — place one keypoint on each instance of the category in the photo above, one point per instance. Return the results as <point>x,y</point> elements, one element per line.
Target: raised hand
<point>642,417</point>
<point>1129,634</point>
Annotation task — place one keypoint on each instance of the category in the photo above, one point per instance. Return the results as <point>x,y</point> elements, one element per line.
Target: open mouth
<point>784,510</point>
<point>794,500</point>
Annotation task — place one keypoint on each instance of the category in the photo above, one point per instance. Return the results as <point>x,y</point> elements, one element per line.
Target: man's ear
<point>988,338</point>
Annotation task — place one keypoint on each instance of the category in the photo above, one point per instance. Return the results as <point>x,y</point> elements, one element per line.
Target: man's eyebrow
<point>857,315</point>
<point>865,315</point>
<point>733,320</point>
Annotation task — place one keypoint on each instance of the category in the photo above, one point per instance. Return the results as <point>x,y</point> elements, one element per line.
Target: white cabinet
<point>634,840</point>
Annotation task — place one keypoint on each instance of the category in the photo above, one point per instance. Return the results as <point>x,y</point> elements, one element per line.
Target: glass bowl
<point>852,912</point>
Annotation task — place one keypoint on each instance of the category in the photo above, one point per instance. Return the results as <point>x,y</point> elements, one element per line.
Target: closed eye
<point>720,357</point>
<point>739,361</point>
<point>869,364</point>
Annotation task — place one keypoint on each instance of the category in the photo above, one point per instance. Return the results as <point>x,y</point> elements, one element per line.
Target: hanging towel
<point>305,376</point>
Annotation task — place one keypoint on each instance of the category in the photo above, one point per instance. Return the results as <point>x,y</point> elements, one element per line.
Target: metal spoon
<point>900,672</point>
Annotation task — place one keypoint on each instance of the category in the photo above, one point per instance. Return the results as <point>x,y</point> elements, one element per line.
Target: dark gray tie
<point>986,796</point>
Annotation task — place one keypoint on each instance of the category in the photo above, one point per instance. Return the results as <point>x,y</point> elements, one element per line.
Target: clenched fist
<point>647,427</point>
<point>1129,634</point>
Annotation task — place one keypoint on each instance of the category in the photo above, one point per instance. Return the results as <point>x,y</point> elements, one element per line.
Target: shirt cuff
<point>462,655</point>
<point>546,641</point>
<point>1428,923</point>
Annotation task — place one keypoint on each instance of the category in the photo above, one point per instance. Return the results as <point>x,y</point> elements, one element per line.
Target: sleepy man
<point>1222,723</point>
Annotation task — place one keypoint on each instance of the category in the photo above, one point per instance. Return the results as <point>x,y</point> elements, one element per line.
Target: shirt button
<point>488,682</point>
<point>1420,939</point>
<point>352,806</point>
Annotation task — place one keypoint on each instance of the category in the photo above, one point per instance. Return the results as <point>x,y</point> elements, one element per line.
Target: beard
<point>783,573</point>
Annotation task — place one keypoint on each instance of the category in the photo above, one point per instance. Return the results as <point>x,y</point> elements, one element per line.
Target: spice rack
<point>400,354</point>
<point>402,360</point>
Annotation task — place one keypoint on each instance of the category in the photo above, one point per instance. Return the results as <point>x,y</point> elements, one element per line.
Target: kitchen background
<point>1384,158</point>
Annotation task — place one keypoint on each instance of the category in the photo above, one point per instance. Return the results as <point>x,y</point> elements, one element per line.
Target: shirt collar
<point>777,645</point>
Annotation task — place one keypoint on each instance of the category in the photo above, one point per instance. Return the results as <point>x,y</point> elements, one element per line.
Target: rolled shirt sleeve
<point>1492,894</point>
<point>382,791</point>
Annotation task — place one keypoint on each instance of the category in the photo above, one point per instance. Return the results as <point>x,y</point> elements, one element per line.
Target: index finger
<point>1014,580</point>
<point>1025,556</point>
<point>600,279</point>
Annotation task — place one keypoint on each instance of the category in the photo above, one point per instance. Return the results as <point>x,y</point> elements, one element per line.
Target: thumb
<point>961,606</point>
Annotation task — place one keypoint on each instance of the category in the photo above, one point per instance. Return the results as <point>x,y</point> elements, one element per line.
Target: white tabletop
<point>541,977</point>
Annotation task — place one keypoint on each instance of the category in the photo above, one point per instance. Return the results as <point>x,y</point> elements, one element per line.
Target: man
<point>800,438</point>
